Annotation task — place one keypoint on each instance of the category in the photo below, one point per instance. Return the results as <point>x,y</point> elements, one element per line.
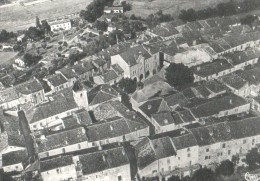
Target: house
<point>252,77</point>
<point>227,104</point>
<point>100,65</point>
<point>108,77</point>
<point>110,164</point>
<point>63,142</point>
<point>11,143</point>
<point>14,161</point>
<point>242,59</point>
<point>223,140</point>
<point>102,94</point>
<point>56,82</point>
<point>136,62</point>
<point>49,114</point>
<point>58,168</point>
<point>9,98</point>
<point>84,70</point>
<point>116,129</point>
<point>30,91</point>
<point>114,10</point>
<point>59,25</point>
<point>211,70</point>
<point>69,74</point>
<point>237,85</point>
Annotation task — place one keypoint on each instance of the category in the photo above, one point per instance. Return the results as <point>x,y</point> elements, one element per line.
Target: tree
<point>126,6</point>
<point>174,178</point>
<point>204,174</point>
<point>65,44</point>
<point>179,74</point>
<point>44,44</point>
<point>152,21</point>
<point>60,48</point>
<point>248,20</point>
<point>5,36</point>
<point>30,59</point>
<point>45,27</point>
<point>225,168</point>
<point>34,33</point>
<point>253,159</point>
<point>128,85</point>
<point>101,25</point>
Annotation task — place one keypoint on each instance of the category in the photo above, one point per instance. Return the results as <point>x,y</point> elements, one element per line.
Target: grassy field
<point>145,7</point>
<point>7,58</point>
<point>19,17</point>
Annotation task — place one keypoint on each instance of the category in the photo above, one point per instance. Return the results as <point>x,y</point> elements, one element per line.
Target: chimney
<point>165,121</point>
<point>111,128</point>
<point>76,116</point>
<point>211,132</point>
<point>230,101</point>
<point>149,106</point>
<point>104,157</point>
<point>99,147</point>
<point>239,57</point>
<point>198,68</point>
<point>134,116</point>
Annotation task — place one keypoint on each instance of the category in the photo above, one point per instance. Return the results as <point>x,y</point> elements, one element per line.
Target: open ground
<point>16,16</point>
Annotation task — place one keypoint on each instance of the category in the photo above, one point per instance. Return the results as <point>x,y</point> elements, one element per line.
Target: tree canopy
<point>178,74</point>
<point>5,35</point>
<point>30,59</point>
<point>204,174</point>
<point>225,168</point>
<point>128,85</point>
<point>253,159</point>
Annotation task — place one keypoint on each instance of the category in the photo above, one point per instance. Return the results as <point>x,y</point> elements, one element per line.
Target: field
<point>15,17</point>
<point>7,58</point>
<point>145,7</point>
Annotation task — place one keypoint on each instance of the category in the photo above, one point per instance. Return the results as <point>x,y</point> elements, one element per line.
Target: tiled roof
<point>215,86</point>
<point>113,127</point>
<point>234,81</point>
<point>82,68</point>
<point>55,163</point>
<point>51,108</point>
<point>29,87</point>
<point>101,94</point>
<point>163,118</point>
<point>68,73</point>
<point>210,68</point>
<point>103,160</point>
<point>184,141</point>
<point>109,75</point>
<point>244,56</point>
<point>148,151</point>
<point>165,30</point>
<point>186,115</point>
<point>154,106</point>
<point>63,139</point>
<point>131,55</point>
<point>56,80</point>
<point>117,68</point>
<point>252,76</point>
<point>216,105</point>
<point>78,118</point>
<point>177,99</point>
<point>14,157</point>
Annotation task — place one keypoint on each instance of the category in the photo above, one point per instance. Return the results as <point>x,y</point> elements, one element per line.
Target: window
<point>168,161</point>
<point>206,157</point>
<point>244,141</point>
<point>188,149</point>
<point>162,169</point>
<point>93,144</point>
<point>253,141</point>
<point>119,178</point>
<point>79,146</point>
<point>58,170</point>
<point>224,145</point>
<point>179,158</point>
<point>207,150</point>
<point>169,168</point>
<point>188,154</point>
<point>229,152</point>
<point>57,117</point>
<point>63,150</point>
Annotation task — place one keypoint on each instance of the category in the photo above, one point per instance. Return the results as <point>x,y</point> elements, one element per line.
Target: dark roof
<point>215,86</point>
<point>154,106</point>
<point>184,141</point>
<point>78,118</point>
<point>186,115</point>
<point>165,30</point>
<point>252,76</point>
<point>82,68</point>
<point>117,68</point>
<point>109,75</point>
<point>218,104</point>
<point>103,160</point>
<point>234,81</point>
<point>131,55</point>
<point>51,108</point>
<point>56,80</point>
<point>55,163</point>
<point>101,94</point>
<point>166,118</point>
<point>14,157</point>
<point>8,94</point>
<point>29,87</point>
<point>148,151</point>
<point>210,68</point>
<point>63,139</point>
<point>68,73</point>
<point>113,127</point>
<point>99,62</point>
<point>176,99</point>
<point>243,56</point>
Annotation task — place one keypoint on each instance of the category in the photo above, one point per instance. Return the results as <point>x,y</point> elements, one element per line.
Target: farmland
<point>15,16</point>
<point>145,7</point>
